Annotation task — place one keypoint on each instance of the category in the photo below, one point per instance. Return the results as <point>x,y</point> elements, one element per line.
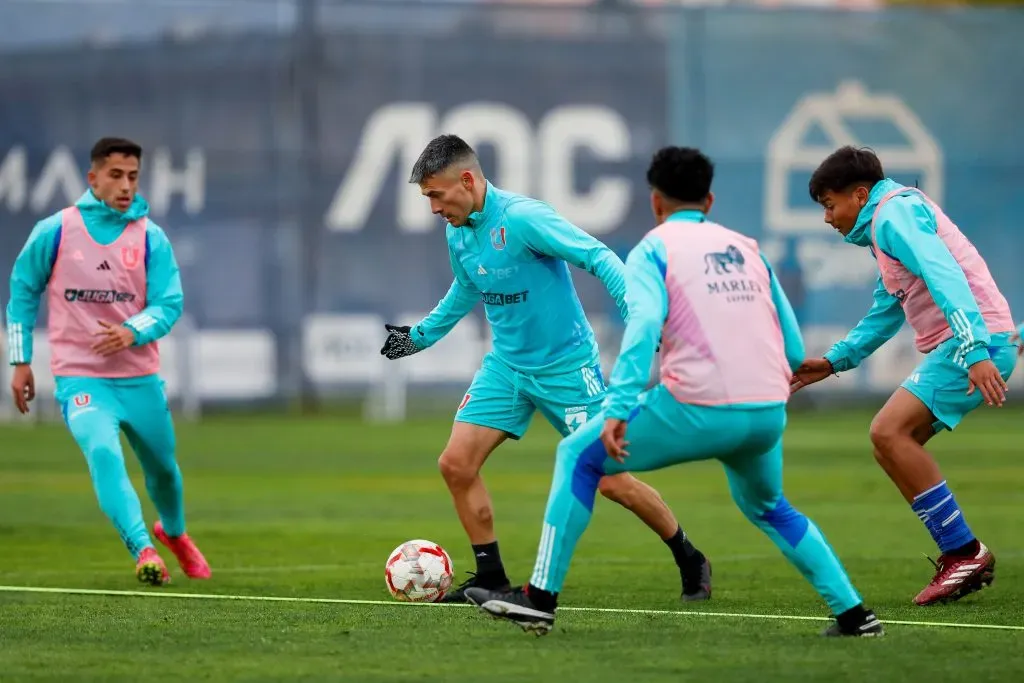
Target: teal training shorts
<point>505,399</point>
<point>941,384</point>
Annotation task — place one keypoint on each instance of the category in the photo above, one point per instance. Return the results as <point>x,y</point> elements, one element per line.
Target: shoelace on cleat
<point>939,568</point>
<point>468,582</point>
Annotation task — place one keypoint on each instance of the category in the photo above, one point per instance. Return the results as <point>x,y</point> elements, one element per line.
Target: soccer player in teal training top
<point>113,290</point>
<point>729,343</point>
<point>931,276</point>
<point>512,252</point>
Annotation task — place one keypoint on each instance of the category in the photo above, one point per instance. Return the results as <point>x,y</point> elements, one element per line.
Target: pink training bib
<point>721,341</point>
<point>92,282</point>
<point>930,325</point>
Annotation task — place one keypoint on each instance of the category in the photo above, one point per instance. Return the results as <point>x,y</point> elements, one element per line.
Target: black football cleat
<point>696,580</point>
<point>458,595</point>
<point>515,606</point>
<point>857,622</point>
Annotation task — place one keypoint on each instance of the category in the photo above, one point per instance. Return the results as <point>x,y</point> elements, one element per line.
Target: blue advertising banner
<point>278,149</point>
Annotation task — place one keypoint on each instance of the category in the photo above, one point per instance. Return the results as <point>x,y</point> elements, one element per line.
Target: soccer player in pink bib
<point>112,290</point>
<point>931,276</point>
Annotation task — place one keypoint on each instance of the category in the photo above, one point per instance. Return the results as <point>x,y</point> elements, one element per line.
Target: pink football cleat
<point>150,568</point>
<point>191,560</point>
<point>957,576</point>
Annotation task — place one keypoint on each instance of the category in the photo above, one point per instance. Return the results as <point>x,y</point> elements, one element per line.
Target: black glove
<point>399,343</point>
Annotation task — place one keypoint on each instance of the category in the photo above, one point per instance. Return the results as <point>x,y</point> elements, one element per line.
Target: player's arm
<point>462,296</point>
<point>544,231</point>
<point>460,299</point>
<point>164,297</point>
<point>457,303</point>
<point>647,299</point>
<point>906,231</point>
<point>883,320</point>
<point>793,341</point>
<point>29,277</point>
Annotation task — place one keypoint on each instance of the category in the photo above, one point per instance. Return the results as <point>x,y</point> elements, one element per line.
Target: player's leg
<point>661,432</point>
<point>92,413</point>
<point>934,398</point>
<point>492,410</point>
<point>149,427</point>
<point>898,434</point>
<point>567,401</point>
<point>755,481</point>
<point>644,501</point>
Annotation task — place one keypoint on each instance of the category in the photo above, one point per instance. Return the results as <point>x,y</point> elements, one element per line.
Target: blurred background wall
<point>279,135</point>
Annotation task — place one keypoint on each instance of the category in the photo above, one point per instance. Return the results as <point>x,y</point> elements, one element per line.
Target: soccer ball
<point>418,571</point>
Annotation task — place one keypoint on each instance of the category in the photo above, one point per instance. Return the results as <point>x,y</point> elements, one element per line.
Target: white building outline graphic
<point>831,111</point>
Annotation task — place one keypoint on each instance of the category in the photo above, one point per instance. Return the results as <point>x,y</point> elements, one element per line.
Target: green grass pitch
<point>311,507</point>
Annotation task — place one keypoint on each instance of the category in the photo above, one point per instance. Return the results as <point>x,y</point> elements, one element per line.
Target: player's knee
<point>164,465</point>
<point>623,489</point>
<point>457,467</point>
<point>885,436</point>
<point>164,475</point>
<point>612,489</point>
<point>104,460</point>
<point>754,508</point>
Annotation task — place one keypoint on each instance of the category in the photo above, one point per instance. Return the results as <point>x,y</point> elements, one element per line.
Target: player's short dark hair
<point>439,155</point>
<point>844,169</point>
<point>681,173</point>
<point>104,147</point>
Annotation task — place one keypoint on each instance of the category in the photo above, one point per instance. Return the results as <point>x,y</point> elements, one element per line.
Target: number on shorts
<point>575,419</point>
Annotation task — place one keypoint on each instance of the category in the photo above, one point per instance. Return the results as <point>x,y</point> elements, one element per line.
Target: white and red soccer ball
<point>419,571</point>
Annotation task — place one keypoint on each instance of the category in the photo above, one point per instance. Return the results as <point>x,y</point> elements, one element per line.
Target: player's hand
<point>23,386</point>
<point>112,339</point>
<point>812,370</point>
<point>984,376</point>
<point>613,436</point>
<point>399,343</point>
